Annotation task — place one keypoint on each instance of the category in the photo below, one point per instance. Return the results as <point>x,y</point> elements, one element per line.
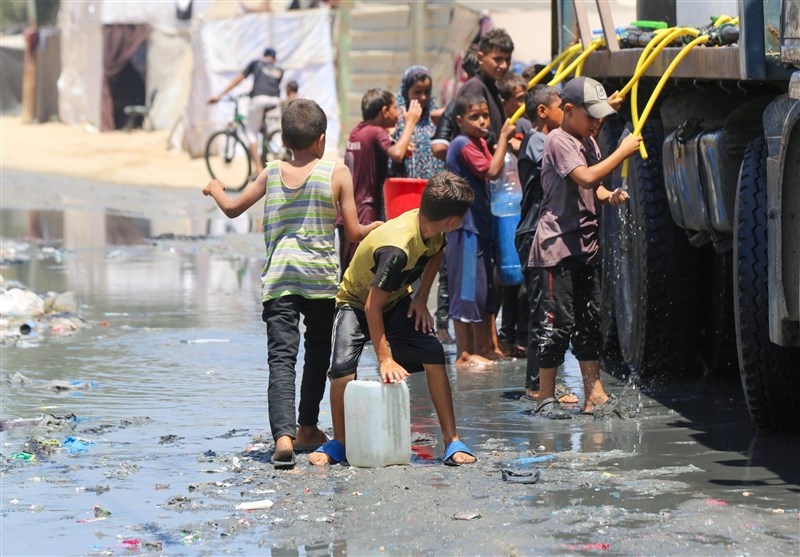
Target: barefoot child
<point>375,302</point>
<point>565,249</point>
<point>301,273</point>
<point>469,249</point>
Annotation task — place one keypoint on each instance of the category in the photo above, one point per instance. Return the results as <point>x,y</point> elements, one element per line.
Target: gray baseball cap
<point>588,93</point>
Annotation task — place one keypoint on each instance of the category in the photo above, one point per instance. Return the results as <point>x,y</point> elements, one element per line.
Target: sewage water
<point>176,360</point>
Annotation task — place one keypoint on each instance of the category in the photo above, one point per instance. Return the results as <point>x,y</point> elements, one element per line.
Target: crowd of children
<point>376,285</point>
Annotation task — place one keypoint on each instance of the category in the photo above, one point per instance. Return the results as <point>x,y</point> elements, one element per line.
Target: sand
<point>136,158</point>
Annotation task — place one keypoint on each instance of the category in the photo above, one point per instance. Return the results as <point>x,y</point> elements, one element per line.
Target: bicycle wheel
<point>227,159</point>
<point>275,151</point>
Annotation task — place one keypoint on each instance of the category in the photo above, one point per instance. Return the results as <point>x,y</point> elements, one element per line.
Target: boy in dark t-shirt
<point>265,95</point>
<point>494,59</point>
<point>368,149</point>
<point>374,302</point>
<point>565,245</point>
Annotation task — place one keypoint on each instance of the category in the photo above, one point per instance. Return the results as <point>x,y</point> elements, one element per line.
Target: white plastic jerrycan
<point>377,423</point>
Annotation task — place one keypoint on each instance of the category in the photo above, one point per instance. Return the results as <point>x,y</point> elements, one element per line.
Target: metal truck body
<point>702,268</point>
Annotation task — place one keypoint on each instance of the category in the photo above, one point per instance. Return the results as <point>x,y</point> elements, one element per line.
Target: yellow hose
<point>568,58</point>
<point>662,44</point>
<point>579,69</point>
<point>594,45</point>
<point>571,51</point>
<point>645,60</point>
<point>637,130</point>
<point>722,19</point>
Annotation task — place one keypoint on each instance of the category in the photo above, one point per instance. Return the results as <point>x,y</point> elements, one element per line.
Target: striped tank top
<point>299,226</point>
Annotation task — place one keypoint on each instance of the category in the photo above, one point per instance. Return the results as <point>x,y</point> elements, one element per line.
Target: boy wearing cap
<point>565,248</point>
<point>265,95</point>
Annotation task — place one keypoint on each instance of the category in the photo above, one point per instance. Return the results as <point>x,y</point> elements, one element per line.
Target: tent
<point>222,49</point>
<point>187,60</point>
<point>12,50</point>
<point>139,45</point>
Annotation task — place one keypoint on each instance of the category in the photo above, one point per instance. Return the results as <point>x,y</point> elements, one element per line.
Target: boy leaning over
<point>375,302</point>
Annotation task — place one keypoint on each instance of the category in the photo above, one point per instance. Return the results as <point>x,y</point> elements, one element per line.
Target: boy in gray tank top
<point>302,271</point>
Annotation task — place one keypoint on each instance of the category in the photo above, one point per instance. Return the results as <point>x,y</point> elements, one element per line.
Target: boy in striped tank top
<point>301,273</point>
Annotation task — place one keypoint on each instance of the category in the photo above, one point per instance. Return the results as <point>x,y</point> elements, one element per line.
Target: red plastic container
<point>401,195</point>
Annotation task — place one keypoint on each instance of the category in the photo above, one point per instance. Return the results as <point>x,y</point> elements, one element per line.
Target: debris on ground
<point>24,313</point>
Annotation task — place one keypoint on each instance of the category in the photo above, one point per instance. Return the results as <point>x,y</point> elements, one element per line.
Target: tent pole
<point>29,66</point>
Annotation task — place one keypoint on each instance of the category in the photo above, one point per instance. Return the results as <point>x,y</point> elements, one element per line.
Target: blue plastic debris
<point>76,444</point>
<point>532,459</point>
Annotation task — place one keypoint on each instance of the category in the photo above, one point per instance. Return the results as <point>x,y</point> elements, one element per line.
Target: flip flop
<point>334,449</point>
<point>453,448</point>
<point>283,464</point>
<point>605,409</point>
<point>550,408</point>
<point>560,391</point>
<point>513,477</point>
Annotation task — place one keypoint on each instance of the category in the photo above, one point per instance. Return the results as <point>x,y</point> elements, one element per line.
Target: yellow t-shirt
<point>391,258</point>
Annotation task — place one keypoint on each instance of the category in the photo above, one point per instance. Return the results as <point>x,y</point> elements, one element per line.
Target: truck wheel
<point>771,382</point>
<point>611,359</point>
<point>656,290</point>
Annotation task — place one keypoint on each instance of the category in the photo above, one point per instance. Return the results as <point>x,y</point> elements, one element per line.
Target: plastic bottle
<point>377,423</point>
<point>506,189</point>
<point>506,199</point>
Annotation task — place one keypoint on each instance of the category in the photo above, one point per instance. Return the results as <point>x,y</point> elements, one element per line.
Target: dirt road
<point>135,158</point>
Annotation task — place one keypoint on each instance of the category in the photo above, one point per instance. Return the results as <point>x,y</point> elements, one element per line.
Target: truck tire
<point>770,377</point>
<point>656,290</point>
<point>611,360</point>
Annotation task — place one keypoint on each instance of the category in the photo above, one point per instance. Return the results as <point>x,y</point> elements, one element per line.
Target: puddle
<point>179,384</point>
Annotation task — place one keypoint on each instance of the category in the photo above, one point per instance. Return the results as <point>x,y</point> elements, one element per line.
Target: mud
<point>175,434</point>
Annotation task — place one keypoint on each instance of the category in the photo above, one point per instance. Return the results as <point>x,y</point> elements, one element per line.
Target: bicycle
<point>227,151</point>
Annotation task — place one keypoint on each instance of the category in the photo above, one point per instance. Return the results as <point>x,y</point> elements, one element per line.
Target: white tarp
<point>223,48</point>
<point>80,84</point>
<point>169,57</point>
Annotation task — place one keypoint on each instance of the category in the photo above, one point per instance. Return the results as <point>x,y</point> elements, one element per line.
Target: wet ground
<point>167,406</point>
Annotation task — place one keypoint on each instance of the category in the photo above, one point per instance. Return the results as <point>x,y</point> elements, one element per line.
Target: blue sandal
<point>453,448</point>
<point>334,449</point>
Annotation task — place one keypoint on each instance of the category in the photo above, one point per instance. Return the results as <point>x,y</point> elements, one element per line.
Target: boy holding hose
<point>565,247</point>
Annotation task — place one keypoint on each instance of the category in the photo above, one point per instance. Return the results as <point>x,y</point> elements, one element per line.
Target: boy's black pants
<point>282,316</point>
<point>568,311</point>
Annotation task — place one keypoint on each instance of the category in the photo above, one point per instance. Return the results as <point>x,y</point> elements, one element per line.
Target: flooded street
<point>167,402</point>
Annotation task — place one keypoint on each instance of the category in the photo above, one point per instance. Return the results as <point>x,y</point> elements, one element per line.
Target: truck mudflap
<point>782,132</point>
<point>769,372</point>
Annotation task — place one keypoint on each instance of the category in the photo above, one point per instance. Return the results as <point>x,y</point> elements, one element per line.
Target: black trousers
<point>569,312</point>
<point>533,289</point>
<point>282,316</point>
<point>514,326</point>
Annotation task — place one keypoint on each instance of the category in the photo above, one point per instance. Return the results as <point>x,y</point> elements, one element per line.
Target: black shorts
<point>410,348</point>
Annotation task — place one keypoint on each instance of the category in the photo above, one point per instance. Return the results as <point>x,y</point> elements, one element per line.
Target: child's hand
<point>367,228</point>
<point>616,101</point>
<point>413,113</point>
<point>392,372</point>
<point>213,185</point>
<point>423,320</point>
<point>213,100</point>
<point>508,131</point>
<point>618,197</point>
<point>630,144</point>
